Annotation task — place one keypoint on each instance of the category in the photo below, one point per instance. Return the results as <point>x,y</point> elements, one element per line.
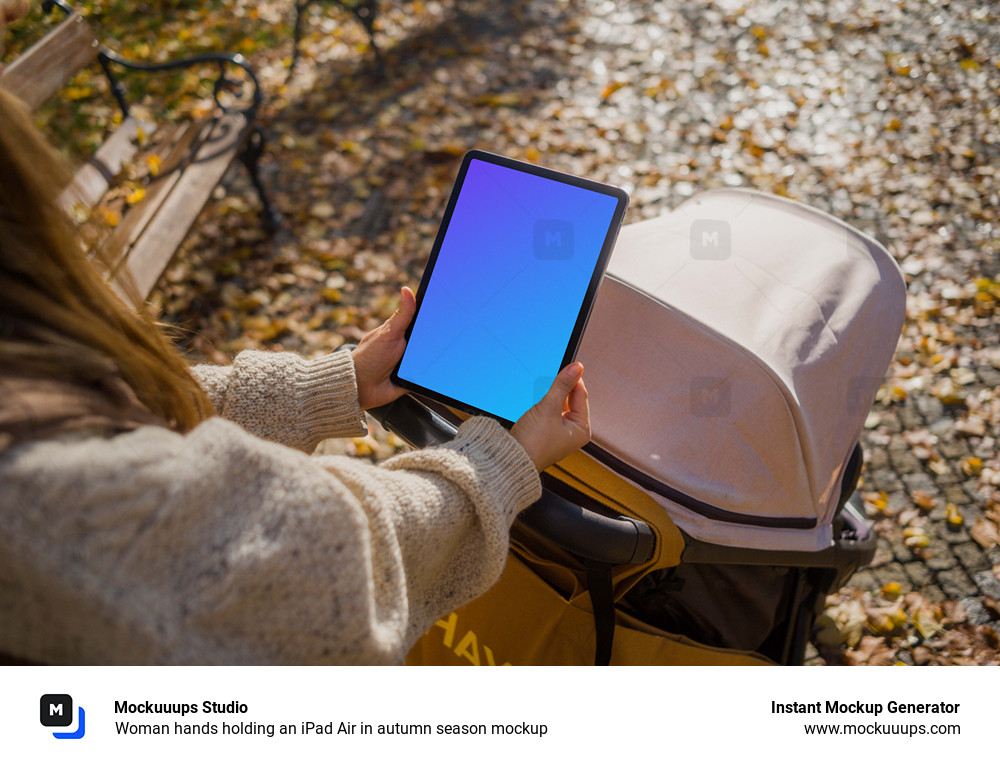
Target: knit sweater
<point>231,545</point>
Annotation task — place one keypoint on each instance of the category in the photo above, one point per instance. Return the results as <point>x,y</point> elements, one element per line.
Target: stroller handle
<point>610,539</point>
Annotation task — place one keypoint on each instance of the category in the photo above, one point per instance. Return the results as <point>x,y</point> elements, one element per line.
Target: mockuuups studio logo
<point>711,240</point>
<point>553,240</point>
<point>57,710</point>
<point>711,397</point>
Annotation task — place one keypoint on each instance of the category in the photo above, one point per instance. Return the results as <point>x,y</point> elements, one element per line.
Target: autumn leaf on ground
<point>135,195</point>
<point>926,615</point>
<point>871,650</point>
<point>985,532</point>
<point>611,88</point>
<point>842,623</point>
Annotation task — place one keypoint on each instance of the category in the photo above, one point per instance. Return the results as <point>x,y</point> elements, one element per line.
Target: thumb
<point>402,316</point>
<point>563,384</point>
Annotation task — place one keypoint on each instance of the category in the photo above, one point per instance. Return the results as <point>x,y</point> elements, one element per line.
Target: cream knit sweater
<point>230,545</point>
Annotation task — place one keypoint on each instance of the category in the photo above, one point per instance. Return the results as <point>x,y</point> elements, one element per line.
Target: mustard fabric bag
<point>541,613</point>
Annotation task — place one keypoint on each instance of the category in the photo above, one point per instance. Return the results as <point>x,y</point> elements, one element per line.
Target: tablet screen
<point>509,284</point>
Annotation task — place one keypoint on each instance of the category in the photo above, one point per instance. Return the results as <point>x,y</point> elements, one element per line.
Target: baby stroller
<point>732,355</point>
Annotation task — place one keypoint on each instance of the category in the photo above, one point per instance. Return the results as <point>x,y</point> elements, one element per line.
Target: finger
<point>403,315</point>
<point>562,385</point>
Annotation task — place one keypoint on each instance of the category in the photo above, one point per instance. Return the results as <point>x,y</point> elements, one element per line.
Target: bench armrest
<point>224,82</point>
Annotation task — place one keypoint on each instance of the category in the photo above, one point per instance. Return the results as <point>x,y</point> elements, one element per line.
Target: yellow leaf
<point>927,620</point>
<point>75,93</point>
<point>969,64</point>
<point>972,466</point>
<point>880,501</point>
<point>891,591</point>
<point>954,515</point>
<point>612,88</point>
<point>498,99</point>
<point>110,217</point>
<point>363,446</point>
<point>136,195</point>
<point>154,163</point>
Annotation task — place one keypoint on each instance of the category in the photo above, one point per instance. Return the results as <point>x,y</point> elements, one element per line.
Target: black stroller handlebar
<point>590,535</point>
<point>586,529</point>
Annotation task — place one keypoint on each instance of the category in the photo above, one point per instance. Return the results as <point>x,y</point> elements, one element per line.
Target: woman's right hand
<point>560,423</point>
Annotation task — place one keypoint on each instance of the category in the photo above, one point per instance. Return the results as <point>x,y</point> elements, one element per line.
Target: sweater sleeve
<point>284,398</point>
<point>217,547</point>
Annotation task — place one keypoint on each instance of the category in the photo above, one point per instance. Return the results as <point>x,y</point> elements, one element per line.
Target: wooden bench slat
<point>151,252</point>
<point>93,179</point>
<point>51,62</point>
<point>172,145</point>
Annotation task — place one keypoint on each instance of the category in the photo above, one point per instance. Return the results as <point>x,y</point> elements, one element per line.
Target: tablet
<point>509,285</point>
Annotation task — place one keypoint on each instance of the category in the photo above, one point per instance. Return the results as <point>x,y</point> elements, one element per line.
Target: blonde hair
<point>58,317</point>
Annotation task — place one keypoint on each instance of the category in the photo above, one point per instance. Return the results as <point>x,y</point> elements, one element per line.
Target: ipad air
<point>509,284</point>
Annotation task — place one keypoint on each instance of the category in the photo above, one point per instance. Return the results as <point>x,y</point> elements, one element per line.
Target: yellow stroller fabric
<point>540,613</point>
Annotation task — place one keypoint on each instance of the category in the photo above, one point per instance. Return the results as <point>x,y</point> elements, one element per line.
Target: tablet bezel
<point>587,303</point>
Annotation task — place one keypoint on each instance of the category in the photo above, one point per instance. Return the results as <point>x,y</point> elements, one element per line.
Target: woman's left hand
<point>378,353</point>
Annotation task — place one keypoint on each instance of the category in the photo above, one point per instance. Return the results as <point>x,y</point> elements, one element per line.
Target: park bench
<point>180,162</point>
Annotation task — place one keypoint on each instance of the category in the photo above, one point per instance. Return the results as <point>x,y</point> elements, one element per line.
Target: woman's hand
<point>378,353</point>
<point>560,423</point>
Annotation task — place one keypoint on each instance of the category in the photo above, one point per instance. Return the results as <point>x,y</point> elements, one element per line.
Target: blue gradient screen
<point>508,284</point>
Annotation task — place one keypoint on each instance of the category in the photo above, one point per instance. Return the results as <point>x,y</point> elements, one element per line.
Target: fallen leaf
<point>322,209</point>
<point>891,591</point>
<point>992,606</point>
<point>985,532</point>
<point>927,619</point>
<point>972,466</point>
<point>844,624</point>
<point>135,195</point>
<point>954,517</point>
<point>871,650</point>
<point>611,88</point>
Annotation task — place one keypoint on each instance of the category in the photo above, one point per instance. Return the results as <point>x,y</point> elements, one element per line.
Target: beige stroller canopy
<point>732,355</point>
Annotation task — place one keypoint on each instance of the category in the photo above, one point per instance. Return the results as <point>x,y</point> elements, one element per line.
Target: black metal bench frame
<point>204,151</point>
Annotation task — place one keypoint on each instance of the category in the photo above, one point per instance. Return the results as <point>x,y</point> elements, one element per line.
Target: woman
<point>152,513</point>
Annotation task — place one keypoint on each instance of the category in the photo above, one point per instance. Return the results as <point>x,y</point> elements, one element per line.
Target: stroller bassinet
<point>731,357</point>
